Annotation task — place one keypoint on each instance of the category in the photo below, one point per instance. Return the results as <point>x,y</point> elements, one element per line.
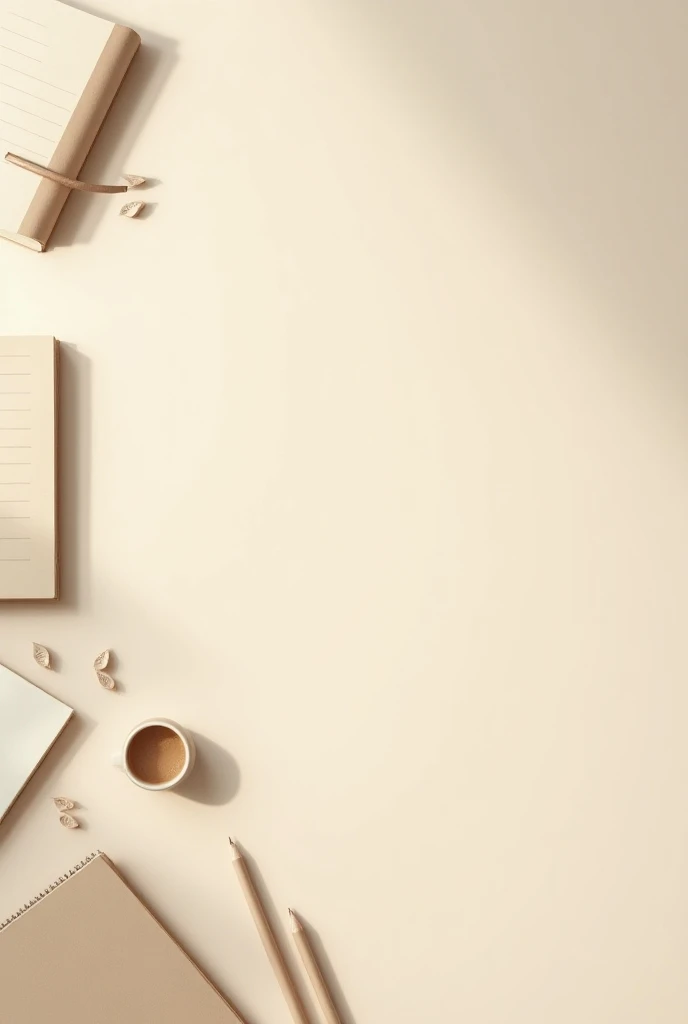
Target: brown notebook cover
<point>88,951</point>
<point>59,74</point>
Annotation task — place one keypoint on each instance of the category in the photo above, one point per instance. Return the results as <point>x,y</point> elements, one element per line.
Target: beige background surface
<point>375,476</point>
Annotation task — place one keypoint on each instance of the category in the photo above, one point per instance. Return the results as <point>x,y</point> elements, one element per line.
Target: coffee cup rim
<point>168,724</point>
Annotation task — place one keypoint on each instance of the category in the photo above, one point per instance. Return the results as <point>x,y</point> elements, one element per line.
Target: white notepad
<point>30,722</point>
<point>28,442</point>
<point>59,71</point>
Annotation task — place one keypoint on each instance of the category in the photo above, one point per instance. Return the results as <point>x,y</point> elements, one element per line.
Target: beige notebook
<point>87,951</point>
<point>59,71</point>
<point>28,442</point>
<point>30,722</point>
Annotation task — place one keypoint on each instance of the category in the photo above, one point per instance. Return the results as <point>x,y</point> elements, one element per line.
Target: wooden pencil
<point>268,938</point>
<point>313,971</point>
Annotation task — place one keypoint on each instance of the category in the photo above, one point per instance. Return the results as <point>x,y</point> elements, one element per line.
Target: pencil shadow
<point>216,776</point>
<point>278,923</point>
<point>73,736</point>
<point>327,971</point>
<point>132,106</point>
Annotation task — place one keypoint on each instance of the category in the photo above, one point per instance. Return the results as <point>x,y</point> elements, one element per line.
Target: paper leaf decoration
<point>63,804</point>
<point>101,661</point>
<point>68,821</point>
<point>131,209</point>
<point>106,681</point>
<point>134,180</point>
<point>41,654</point>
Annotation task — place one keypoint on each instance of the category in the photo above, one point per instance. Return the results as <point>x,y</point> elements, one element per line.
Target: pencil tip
<point>296,925</point>
<point>231,841</point>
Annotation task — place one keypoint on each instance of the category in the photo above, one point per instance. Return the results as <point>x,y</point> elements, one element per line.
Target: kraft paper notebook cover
<point>90,952</point>
<point>60,69</point>
<point>28,440</point>
<point>30,722</point>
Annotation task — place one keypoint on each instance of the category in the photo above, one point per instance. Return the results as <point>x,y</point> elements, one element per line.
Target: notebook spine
<point>51,888</point>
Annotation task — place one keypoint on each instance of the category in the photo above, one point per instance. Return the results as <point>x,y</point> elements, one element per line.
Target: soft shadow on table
<point>327,971</point>
<point>216,776</point>
<point>74,476</point>
<point>65,747</point>
<point>142,86</point>
<point>278,918</point>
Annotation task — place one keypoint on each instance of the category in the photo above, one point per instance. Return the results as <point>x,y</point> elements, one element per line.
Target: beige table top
<point>375,477</point>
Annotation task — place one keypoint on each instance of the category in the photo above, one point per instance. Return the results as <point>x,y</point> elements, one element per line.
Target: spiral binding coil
<point>51,888</point>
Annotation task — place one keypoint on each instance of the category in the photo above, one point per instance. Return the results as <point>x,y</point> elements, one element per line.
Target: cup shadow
<point>216,776</point>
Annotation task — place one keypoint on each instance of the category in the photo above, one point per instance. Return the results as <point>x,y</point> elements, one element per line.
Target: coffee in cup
<point>157,754</point>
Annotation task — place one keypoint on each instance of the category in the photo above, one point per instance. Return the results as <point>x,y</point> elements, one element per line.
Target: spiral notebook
<point>86,950</point>
<point>60,69</point>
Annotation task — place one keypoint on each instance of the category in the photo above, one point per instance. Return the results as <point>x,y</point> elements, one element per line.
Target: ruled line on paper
<point>27,130</point>
<point>41,80</point>
<point>23,110</point>
<point>24,18</point>
<point>34,97</point>
<point>22,36</point>
<point>18,145</point>
<point>21,53</point>
<point>15,517</point>
<point>15,559</point>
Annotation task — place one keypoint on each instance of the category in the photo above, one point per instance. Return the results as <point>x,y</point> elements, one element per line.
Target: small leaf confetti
<point>68,821</point>
<point>106,681</point>
<point>41,655</point>
<point>63,803</point>
<point>101,661</point>
<point>131,209</point>
<point>134,180</point>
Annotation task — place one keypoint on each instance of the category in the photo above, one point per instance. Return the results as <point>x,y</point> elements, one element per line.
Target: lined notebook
<point>59,71</point>
<point>30,722</point>
<point>87,951</point>
<point>28,442</point>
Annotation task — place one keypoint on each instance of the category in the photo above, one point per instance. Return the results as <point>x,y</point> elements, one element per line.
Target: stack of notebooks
<point>88,951</point>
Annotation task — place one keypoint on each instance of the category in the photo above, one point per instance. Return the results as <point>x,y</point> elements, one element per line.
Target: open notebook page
<point>28,542</point>
<point>48,52</point>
